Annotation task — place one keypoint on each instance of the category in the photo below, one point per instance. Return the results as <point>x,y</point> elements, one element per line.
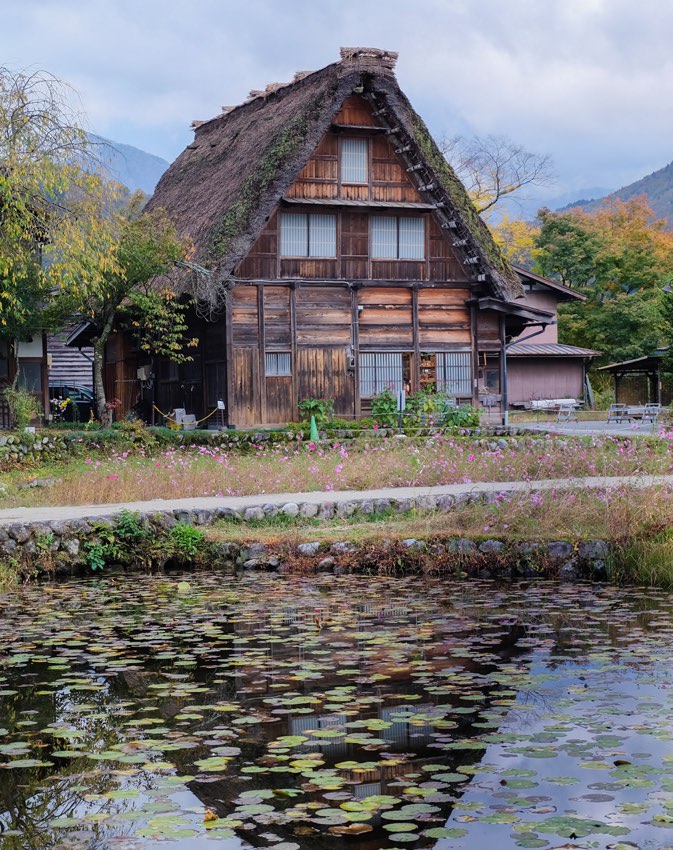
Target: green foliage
<point>186,540</point>
<point>96,555</point>
<point>622,327</point>
<point>618,257</point>
<point>42,147</point>
<point>23,406</point>
<point>130,541</point>
<point>423,410</point>
<point>321,408</point>
<point>159,322</point>
<point>129,526</point>
<point>384,408</point>
<point>464,416</point>
<point>426,408</point>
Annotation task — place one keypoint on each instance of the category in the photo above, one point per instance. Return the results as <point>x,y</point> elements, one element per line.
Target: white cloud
<point>587,81</point>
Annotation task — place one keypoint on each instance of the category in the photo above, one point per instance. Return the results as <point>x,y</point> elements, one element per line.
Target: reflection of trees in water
<point>31,797</point>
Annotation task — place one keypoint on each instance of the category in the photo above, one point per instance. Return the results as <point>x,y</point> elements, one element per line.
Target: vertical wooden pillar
<point>355,340</point>
<point>475,355</point>
<point>504,404</point>
<point>261,372</point>
<point>229,360</point>
<point>416,366</point>
<point>293,345</point>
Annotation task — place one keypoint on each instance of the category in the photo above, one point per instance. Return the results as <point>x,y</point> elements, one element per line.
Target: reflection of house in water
<point>392,656</point>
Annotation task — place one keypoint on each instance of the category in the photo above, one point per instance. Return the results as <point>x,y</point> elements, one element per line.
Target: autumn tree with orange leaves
<point>619,257</point>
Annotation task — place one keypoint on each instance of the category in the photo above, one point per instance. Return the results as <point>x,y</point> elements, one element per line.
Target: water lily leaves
<point>444,832</point>
<point>465,702</point>
<point>18,764</point>
<point>351,829</point>
<point>400,827</point>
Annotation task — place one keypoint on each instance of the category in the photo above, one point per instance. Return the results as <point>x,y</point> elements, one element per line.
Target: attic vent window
<point>307,235</point>
<point>354,156</point>
<point>398,238</point>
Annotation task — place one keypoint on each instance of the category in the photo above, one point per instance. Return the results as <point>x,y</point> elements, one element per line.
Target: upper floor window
<point>354,160</point>
<point>307,235</point>
<point>398,238</point>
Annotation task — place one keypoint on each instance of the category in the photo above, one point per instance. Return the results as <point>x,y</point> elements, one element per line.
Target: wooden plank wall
<point>321,373</point>
<point>324,310</point>
<point>120,374</point>
<point>352,261</point>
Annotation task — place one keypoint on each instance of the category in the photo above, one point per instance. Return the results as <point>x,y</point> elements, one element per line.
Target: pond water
<point>203,711</point>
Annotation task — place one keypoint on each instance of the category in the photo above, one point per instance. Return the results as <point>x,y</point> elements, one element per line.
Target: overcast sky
<point>587,81</point>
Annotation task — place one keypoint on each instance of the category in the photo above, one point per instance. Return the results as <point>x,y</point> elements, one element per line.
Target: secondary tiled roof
<point>549,349</point>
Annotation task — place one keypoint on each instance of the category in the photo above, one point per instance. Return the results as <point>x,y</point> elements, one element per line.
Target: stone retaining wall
<point>22,448</point>
<point>64,547</point>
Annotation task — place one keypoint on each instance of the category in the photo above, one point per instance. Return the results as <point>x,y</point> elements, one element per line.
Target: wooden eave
<point>565,292</point>
<point>346,202</point>
<point>531,315</point>
<point>358,128</point>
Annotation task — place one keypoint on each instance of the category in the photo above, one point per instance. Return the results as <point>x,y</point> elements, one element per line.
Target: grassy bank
<point>615,515</point>
<point>192,470</point>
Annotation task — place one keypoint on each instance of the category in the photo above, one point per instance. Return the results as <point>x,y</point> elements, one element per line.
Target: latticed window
<point>307,235</point>
<point>277,364</point>
<point>454,373</point>
<point>354,156</point>
<point>381,371</point>
<point>398,238</point>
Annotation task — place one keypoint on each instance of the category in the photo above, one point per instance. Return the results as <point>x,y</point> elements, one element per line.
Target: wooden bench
<point>618,413</point>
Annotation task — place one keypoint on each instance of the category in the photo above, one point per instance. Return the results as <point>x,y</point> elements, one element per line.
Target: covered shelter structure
<point>639,381</point>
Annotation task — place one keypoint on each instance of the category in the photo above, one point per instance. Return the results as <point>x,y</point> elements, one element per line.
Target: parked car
<point>71,403</point>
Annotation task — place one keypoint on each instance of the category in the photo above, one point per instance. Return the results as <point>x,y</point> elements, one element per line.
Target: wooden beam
<point>416,373</point>
<point>261,374</point>
<point>293,344</point>
<point>355,323</point>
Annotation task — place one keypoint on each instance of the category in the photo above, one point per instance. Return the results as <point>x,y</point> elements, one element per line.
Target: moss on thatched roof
<point>224,186</point>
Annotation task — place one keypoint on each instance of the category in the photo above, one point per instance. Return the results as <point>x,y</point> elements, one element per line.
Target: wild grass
<point>212,471</point>
<point>645,560</point>
<point>621,515</point>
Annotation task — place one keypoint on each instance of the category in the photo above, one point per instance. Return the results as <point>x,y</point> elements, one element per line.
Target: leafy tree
<point>517,240</point>
<point>42,152</point>
<point>619,257</point>
<point>127,259</point>
<point>495,167</point>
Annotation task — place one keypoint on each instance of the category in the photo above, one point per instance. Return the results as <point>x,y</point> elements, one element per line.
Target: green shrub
<point>464,416</point>
<point>186,540</point>
<point>384,408</point>
<point>23,406</point>
<point>129,526</point>
<point>321,408</point>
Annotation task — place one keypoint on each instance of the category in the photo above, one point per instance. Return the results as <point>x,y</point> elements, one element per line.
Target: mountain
<point>134,168</point>
<point>658,187</point>
<point>527,207</point>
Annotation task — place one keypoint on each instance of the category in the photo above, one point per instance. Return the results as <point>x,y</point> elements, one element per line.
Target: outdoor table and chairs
<point>633,413</point>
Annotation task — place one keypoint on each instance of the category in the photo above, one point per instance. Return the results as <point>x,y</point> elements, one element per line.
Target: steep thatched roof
<point>223,187</point>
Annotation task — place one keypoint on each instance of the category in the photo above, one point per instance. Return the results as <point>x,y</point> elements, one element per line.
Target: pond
<point>204,711</point>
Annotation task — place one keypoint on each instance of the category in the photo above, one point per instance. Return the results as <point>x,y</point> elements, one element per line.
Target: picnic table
<point>634,412</point>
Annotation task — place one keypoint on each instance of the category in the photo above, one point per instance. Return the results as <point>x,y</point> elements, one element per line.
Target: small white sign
<point>220,405</point>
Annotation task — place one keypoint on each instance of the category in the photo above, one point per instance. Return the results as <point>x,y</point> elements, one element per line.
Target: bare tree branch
<point>494,167</point>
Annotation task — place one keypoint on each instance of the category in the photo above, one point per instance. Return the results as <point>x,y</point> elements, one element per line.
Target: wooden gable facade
<point>346,325</point>
<point>339,255</point>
